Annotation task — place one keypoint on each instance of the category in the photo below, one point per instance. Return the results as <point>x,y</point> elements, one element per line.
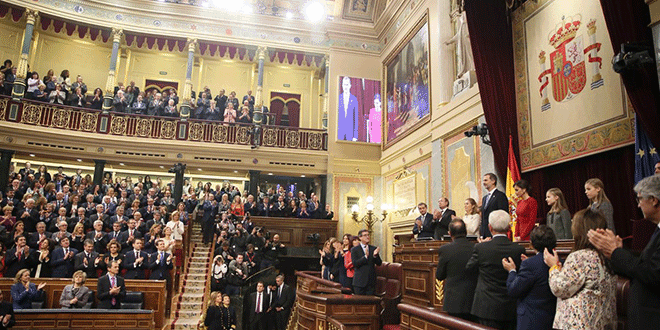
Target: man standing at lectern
<point>424,224</point>
<point>365,258</point>
<point>443,216</point>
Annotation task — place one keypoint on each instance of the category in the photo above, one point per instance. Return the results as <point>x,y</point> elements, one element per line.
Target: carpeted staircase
<point>189,305</point>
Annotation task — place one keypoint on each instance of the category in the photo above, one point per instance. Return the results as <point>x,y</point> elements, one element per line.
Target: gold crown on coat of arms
<point>565,31</point>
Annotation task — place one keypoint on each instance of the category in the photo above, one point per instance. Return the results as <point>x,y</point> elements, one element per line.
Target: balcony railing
<point>48,115</point>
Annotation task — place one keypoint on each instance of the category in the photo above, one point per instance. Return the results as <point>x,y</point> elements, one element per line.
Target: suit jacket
<point>30,221</point>
<point>83,293</point>
<point>13,264</point>
<point>90,269</point>
<point>284,299</point>
<point>536,303</point>
<point>348,118</point>
<point>99,243</point>
<point>365,266</point>
<point>491,300</point>
<point>90,222</point>
<point>428,226</point>
<point>252,306</point>
<point>459,284</point>
<point>442,228</point>
<point>644,272</point>
<point>498,201</point>
<point>7,308</point>
<point>160,270</point>
<point>135,271</point>
<point>62,267</point>
<point>103,292</point>
<point>22,298</point>
<point>33,239</point>
<point>123,239</point>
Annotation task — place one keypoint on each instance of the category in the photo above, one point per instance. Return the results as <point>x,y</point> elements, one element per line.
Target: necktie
<point>487,199</point>
<point>279,292</point>
<point>162,257</point>
<point>366,251</point>
<point>258,303</point>
<point>112,285</point>
<point>66,251</point>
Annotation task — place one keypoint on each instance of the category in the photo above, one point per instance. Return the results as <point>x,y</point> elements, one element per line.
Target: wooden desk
<point>84,319</point>
<point>319,304</point>
<point>420,261</point>
<point>155,294</point>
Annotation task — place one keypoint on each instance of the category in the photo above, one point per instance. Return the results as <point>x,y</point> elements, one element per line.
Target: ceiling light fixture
<point>79,160</point>
<point>314,12</point>
<point>31,155</point>
<point>289,15</point>
<point>121,164</point>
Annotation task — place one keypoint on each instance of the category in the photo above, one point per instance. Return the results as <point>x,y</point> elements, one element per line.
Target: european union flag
<point>646,156</point>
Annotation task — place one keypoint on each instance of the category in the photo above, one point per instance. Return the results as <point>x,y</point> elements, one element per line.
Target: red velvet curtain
<point>277,107</point>
<point>628,21</point>
<point>492,47</point>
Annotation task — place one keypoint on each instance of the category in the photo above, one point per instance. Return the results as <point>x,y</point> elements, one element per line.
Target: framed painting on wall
<point>407,85</point>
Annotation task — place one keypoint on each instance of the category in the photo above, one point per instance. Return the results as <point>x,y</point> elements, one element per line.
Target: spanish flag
<point>512,175</point>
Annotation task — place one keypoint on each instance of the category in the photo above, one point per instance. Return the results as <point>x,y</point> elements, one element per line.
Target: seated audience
<point>23,292</point>
<point>76,295</point>
<point>57,96</point>
<point>87,261</point>
<point>584,285</point>
<point>62,260</point>
<point>40,260</point>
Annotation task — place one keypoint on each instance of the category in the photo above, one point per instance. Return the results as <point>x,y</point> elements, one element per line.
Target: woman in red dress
<point>525,211</point>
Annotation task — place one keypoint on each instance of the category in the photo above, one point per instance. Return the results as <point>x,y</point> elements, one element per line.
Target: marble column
<point>446,53</point>
<point>187,87</point>
<point>110,83</point>
<point>5,164</point>
<point>326,100</point>
<point>257,116</point>
<point>21,71</point>
<point>99,167</point>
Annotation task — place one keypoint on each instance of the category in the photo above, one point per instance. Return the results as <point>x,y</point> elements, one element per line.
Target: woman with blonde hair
<point>220,315</point>
<point>472,217</point>
<point>595,191</point>
<point>558,218</point>
<point>585,286</point>
<point>23,292</point>
<point>76,295</point>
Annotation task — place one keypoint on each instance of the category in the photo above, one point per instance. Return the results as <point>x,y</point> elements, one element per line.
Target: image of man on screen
<point>347,123</point>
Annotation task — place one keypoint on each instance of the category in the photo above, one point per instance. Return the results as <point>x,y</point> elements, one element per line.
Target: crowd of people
<point>67,90</point>
<point>493,282</point>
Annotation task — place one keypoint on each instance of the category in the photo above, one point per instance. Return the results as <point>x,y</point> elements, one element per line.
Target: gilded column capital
<point>326,58</point>
<point>116,34</point>
<point>261,52</point>
<point>192,44</point>
<point>31,15</point>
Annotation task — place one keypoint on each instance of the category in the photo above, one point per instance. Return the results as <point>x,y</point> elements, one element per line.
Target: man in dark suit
<point>258,304</point>
<point>26,170</point>
<point>459,284</point>
<point>444,216</point>
<point>536,303</point>
<point>88,261</point>
<point>491,304</point>
<point>347,112</point>
<point>282,303</point>
<point>118,217</point>
<point>493,200</point>
<point>160,263</point>
<point>79,217</point>
<point>424,224</point>
<point>110,288</point>
<point>98,237</point>
<point>99,215</point>
<point>6,314</point>
<point>34,239</point>
<point>29,215</point>
<point>264,208</point>
<point>128,237</point>
<point>135,261</point>
<point>62,260</point>
<point>643,270</point>
<point>17,257</point>
<point>365,258</point>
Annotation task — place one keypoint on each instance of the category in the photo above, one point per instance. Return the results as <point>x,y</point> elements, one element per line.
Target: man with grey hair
<point>492,305</point>
<point>644,271</point>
